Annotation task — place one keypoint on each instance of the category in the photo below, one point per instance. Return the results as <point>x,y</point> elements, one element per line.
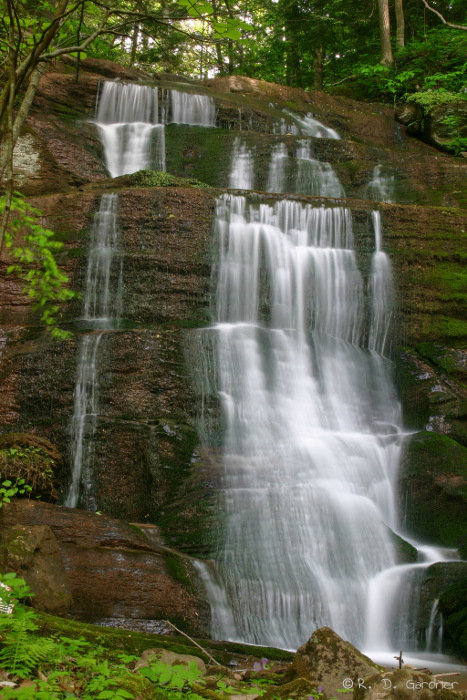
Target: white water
<point>242,169</point>
<point>381,293</point>
<point>312,127</point>
<point>381,186</point>
<point>304,124</point>
<point>102,308</point>
<point>131,121</point>
<point>192,109</point>
<point>302,174</point>
<point>393,601</point>
<point>311,446</point>
<point>131,132</point>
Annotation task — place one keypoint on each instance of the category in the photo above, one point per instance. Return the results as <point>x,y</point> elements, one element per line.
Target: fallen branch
<point>349,77</point>
<point>448,24</point>
<point>195,643</point>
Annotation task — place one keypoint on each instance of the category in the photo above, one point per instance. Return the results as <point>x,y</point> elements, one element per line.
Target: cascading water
<point>303,174</point>
<point>192,109</point>
<point>381,186</point>
<point>130,127</point>
<point>242,170</point>
<point>102,308</point>
<point>311,446</point>
<point>131,120</point>
<point>380,291</point>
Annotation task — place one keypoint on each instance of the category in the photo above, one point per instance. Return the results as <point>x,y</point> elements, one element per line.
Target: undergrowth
<point>55,667</point>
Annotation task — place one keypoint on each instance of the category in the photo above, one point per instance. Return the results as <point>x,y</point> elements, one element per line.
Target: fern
<point>22,653</point>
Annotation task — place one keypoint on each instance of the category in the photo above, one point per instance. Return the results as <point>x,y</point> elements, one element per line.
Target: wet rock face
<point>32,551</point>
<point>326,660</point>
<point>112,571</point>
<point>431,381</point>
<point>433,490</point>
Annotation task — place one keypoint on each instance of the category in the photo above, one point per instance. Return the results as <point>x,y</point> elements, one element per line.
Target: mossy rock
<point>453,605</point>
<point>116,640</point>
<point>155,178</point>
<point>299,689</point>
<point>433,489</point>
<point>453,362</point>
<point>405,552</point>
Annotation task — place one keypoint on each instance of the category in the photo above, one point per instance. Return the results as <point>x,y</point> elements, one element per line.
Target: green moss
<point>137,642</point>
<point>154,178</point>
<point>137,529</point>
<point>441,357</point>
<point>434,98</point>
<point>177,567</point>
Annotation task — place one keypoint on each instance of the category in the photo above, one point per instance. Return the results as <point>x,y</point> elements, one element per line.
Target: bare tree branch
<point>448,24</point>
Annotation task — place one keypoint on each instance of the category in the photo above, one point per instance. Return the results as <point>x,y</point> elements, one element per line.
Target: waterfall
<point>381,186</point>
<point>131,121</point>
<point>192,109</point>
<point>312,127</point>
<point>102,308</point>
<point>380,291</point>
<point>393,605</point>
<point>302,175</point>
<point>310,443</point>
<point>242,169</point>
<point>278,169</point>
<point>131,131</point>
<point>314,177</point>
<point>434,635</point>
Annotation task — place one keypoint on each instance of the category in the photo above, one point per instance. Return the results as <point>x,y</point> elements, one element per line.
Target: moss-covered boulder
<point>433,489</point>
<point>326,659</point>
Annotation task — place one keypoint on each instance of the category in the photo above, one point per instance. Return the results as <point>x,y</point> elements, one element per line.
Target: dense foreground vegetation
<point>49,658</point>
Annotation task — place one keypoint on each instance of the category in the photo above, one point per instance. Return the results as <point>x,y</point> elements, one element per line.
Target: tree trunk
<point>400,24</point>
<point>318,68</point>
<point>385,35</point>
<point>134,44</point>
<point>13,133</point>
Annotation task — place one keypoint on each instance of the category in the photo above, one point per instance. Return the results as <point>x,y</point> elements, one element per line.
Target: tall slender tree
<point>385,33</point>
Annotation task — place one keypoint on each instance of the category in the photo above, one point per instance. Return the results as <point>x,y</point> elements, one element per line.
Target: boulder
<point>116,575</point>
<point>326,659</point>
<point>34,554</point>
<point>443,125</point>
<point>170,658</point>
